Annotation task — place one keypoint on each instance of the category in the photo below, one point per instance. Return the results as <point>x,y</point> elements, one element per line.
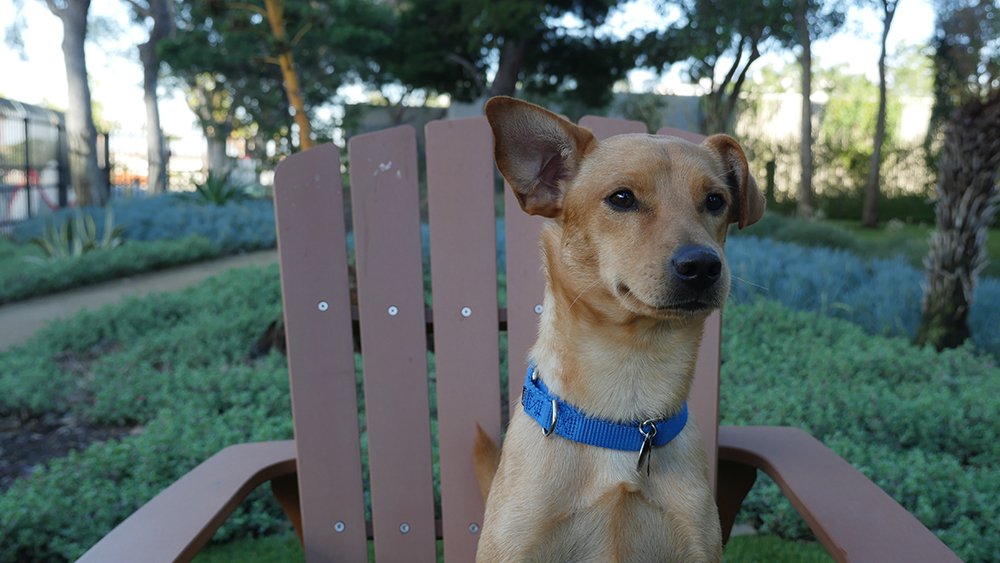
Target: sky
<point>116,75</point>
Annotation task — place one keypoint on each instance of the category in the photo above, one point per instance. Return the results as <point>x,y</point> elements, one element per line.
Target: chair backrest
<point>464,327</point>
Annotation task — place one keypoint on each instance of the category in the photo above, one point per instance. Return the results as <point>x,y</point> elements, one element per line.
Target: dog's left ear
<point>737,174</point>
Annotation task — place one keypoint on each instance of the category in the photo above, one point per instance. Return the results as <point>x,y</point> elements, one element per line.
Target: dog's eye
<point>714,202</point>
<point>622,200</point>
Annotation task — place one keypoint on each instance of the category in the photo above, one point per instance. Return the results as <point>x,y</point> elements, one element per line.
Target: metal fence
<point>34,162</point>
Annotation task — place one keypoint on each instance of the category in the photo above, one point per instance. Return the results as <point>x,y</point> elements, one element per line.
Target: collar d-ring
<point>648,434</point>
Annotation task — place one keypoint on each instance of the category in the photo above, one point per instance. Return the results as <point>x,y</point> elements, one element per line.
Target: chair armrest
<point>851,516</point>
<point>182,518</point>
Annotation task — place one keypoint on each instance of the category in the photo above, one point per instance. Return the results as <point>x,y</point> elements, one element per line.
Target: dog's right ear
<point>536,150</point>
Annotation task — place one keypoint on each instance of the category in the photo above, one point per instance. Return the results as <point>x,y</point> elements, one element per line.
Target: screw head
<point>322,305</point>
<point>404,528</point>
<point>466,312</point>
<point>392,310</point>
<point>473,528</point>
<point>339,527</point>
<point>538,309</point>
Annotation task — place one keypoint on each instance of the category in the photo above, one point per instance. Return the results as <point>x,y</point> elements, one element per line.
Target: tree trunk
<point>869,211</point>
<point>276,19</point>
<point>219,163</point>
<point>509,68</point>
<point>90,186</point>
<point>161,13</point>
<point>967,202</point>
<point>805,199</point>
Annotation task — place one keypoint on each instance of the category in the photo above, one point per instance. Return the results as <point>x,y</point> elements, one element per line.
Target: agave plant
<point>78,235</point>
<point>217,189</point>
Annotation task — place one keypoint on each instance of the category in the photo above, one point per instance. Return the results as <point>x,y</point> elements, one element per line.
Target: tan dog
<point>634,264</point>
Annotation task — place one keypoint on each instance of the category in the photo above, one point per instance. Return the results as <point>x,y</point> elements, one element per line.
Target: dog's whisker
<point>584,290</point>
<point>748,282</point>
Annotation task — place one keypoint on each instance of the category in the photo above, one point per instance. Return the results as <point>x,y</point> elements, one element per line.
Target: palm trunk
<point>869,212</point>
<point>805,199</point>
<point>967,202</point>
<point>90,186</point>
<point>276,19</point>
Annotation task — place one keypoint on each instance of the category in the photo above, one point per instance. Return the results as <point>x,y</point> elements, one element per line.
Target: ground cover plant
<point>155,233</point>
<point>174,373</point>
<point>25,273</point>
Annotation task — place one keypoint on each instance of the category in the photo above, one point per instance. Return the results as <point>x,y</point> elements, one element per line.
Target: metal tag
<point>644,451</point>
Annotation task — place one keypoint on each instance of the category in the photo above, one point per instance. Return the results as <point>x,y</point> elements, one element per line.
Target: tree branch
<point>470,68</point>
<point>250,8</point>
<point>300,34</point>
<point>142,11</point>
<point>56,10</point>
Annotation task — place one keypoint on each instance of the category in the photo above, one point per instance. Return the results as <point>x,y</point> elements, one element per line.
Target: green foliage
<point>26,275</point>
<point>283,547</point>
<point>217,189</point>
<point>920,424</point>
<point>772,549</point>
<point>77,235</point>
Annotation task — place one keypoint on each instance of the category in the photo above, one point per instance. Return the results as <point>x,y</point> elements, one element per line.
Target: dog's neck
<point>609,363</point>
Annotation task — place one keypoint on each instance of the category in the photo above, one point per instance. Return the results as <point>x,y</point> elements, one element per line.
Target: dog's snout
<point>697,267</point>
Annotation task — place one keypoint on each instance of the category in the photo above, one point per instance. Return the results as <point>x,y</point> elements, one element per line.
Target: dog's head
<point>641,218</point>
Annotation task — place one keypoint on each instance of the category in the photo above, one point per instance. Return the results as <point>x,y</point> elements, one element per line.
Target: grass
<point>741,549</point>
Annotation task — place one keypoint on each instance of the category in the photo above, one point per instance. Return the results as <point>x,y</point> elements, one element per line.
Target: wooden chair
<point>318,477</point>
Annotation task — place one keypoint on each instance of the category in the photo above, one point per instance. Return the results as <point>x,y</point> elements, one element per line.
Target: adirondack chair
<point>317,478</point>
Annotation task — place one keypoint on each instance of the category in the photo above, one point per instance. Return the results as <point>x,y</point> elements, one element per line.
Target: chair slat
<point>460,198</point>
<point>704,399</point>
<point>385,204</point>
<point>311,241</point>
<point>686,135</point>
<point>604,127</point>
<point>525,290</point>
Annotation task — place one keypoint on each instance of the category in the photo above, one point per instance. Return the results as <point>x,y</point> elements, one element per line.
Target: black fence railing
<point>34,162</point>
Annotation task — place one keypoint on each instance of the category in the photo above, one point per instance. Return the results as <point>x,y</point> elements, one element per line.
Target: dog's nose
<point>697,267</point>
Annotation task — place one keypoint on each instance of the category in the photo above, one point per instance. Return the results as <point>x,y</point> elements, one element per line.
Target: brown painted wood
<point>316,294</point>
<point>525,290</point>
<point>853,518</point>
<point>696,138</point>
<point>704,399</point>
<point>385,204</point>
<point>461,215</point>
<point>604,127</point>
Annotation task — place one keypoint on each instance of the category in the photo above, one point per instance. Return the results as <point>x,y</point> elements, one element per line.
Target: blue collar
<point>555,415</point>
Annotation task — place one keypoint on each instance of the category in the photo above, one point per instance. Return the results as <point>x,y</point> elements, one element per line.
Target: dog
<point>633,266</point>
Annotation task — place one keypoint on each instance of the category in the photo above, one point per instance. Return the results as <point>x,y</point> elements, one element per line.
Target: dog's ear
<point>536,150</point>
<point>750,206</point>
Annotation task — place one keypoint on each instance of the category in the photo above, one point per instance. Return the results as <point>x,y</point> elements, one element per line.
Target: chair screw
<point>404,528</point>
<point>538,309</point>
<point>466,312</point>
<point>323,306</point>
<point>392,310</point>
<point>473,528</point>
<point>339,526</point>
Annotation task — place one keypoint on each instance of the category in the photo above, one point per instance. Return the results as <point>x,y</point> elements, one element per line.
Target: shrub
<point>27,275</point>
<point>881,295</point>
<point>234,226</point>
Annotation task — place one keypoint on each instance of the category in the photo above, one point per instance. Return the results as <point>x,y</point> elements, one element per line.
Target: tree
<point>91,187</point>
<point>162,16</point>
<point>813,19</point>
<point>719,38</point>
<point>967,82</point>
<point>522,38</point>
<point>226,55</point>
<point>869,211</point>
